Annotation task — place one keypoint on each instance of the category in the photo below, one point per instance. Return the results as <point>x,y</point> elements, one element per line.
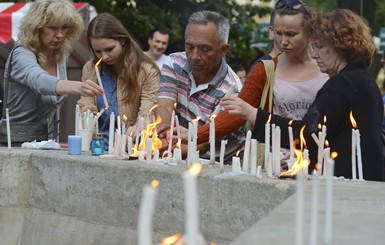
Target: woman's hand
<point>236,106</point>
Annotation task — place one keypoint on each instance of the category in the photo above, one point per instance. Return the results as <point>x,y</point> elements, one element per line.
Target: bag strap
<point>268,90</point>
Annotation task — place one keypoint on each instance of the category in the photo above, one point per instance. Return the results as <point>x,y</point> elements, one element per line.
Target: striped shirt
<point>177,83</point>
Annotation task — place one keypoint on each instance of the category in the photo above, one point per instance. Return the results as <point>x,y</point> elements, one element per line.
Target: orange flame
<point>326,143</point>
<point>171,239</point>
<point>97,63</point>
<point>124,118</point>
<point>196,119</point>
<point>237,154</point>
<point>302,138</point>
<point>325,119</point>
<point>290,122</point>
<point>177,145</point>
<point>213,116</point>
<point>319,126</point>
<point>195,168</point>
<point>154,183</point>
<point>334,155</point>
<point>149,132</point>
<point>175,104</point>
<point>155,106</point>
<point>354,124</point>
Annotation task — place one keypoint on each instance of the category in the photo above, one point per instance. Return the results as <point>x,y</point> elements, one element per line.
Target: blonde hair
<point>50,13</point>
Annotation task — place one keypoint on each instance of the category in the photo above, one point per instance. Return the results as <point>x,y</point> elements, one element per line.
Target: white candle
<point>118,143</point>
<point>129,145</point>
<point>326,157</point>
<point>78,122</point>
<point>8,128</point>
<point>267,142</point>
<point>190,152</point>
<point>246,153</point>
<point>269,166</point>
<point>156,155</point>
<point>359,156</point>
<point>254,157</point>
<point>291,140</point>
<point>314,209</point>
<point>111,134</point>
<point>177,127</point>
<point>191,204</point>
<point>236,165</point>
<point>273,145</point>
<point>354,147</point>
<point>171,131</point>
<point>100,82</point>
<point>177,154</point>
<point>212,139</point>
<point>320,150</point>
<point>300,193</point>
<point>146,212</point>
<point>222,155</point>
<point>123,145</point>
<point>277,157</point>
<point>138,132</point>
<point>195,132</point>
<point>329,200</point>
<point>148,149</point>
<point>119,121</point>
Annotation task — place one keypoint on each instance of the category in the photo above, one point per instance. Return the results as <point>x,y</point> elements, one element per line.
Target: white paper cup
<point>86,139</point>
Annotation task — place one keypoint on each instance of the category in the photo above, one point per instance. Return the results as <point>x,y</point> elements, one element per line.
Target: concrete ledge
<point>96,200</point>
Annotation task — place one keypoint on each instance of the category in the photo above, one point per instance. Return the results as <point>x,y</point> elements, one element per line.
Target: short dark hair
<point>161,31</point>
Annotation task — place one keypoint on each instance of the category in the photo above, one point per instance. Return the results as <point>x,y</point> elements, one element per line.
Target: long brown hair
<point>105,25</point>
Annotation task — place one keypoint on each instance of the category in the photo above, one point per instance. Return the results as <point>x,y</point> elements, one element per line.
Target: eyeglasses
<point>292,4</point>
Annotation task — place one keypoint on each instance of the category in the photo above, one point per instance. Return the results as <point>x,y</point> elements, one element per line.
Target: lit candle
<point>246,153</point>
<point>253,157</point>
<point>177,128</point>
<point>329,199</point>
<point>100,82</point>
<point>359,156</point>
<point>326,156</point>
<point>314,209</point>
<point>8,128</point>
<point>212,139</point>
<point>146,212</point>
<point>267,140</point>
<point>111,134</point>
<point>236,164</point>
<point>291,140</point>
<point>171,131</point>
<point>354,171</point>
<point>300,193</point>
<point>195,132</point>
<point>222,155</point>
<point>190,152</point>
<point>191,203</point>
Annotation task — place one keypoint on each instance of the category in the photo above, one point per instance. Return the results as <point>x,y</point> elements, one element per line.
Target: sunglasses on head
<point>292,4</point>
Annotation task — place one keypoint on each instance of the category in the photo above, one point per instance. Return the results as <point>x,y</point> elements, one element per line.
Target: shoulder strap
<point>268,91</point>
<point>7,74</point>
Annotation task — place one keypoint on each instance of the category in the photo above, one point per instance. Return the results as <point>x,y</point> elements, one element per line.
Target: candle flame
<point>299,165</point>
<point>354,124</point>
<point>213,116</point>
<point>319,126</point>
<point>196,119</point>
<point>195,168</point>
<point>97,63</point>
<point>268,120</point>
<point>290,122</point>
<point>154,183</point>
<point>124,118</point>
<point>302,138</point>
<point>171,239</point>
<point>325,119</point>
<point>334,155</point>
<point>155,106</point>
<point>175,104</point>
<point>326,143</point>
<point>177,145</point>
<point>237,154</point>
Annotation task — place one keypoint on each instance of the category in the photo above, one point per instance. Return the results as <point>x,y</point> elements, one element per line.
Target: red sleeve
<point>251,93</point>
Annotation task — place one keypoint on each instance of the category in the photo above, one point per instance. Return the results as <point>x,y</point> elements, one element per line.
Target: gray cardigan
<point>27,81</point>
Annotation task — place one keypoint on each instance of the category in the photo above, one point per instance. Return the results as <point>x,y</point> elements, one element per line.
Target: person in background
<point>129,77</point>
<point>38,83</point>
<point>380,79</point>
<point>157,45</point>
<point>240,71</point>
<point>198,78</point>
<point>297,76</point>
<point>342,45</point>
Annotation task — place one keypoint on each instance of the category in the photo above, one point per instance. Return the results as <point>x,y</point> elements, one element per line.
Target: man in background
<point>157,42</point>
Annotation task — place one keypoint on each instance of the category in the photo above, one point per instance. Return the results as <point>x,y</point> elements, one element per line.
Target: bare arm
<point>87,88</point>
<point>164,110</point>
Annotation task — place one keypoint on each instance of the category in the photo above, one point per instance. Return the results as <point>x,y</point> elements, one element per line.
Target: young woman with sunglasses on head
<point>297,76</point>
